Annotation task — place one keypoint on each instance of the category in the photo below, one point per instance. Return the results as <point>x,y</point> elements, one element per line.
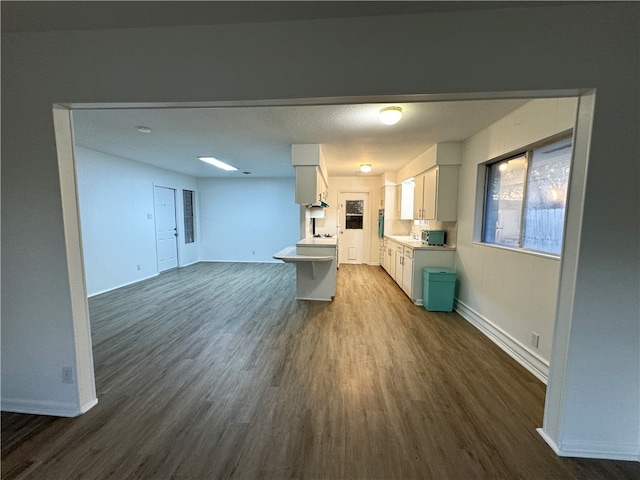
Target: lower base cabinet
<point>405,265</point>
<point>407,272</point>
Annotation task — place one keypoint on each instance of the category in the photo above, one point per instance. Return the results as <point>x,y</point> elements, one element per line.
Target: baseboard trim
<point>533,362</point>
<point>122,285</point>
<point>599,450</point>
<point>46,407</point>
<point>189,264</point>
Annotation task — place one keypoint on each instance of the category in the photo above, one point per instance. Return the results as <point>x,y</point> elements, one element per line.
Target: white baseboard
<point>600,450</point>
<point>533,362</point>
<point>189,264</point>
<point>45,407</point>
<point>122,285</point>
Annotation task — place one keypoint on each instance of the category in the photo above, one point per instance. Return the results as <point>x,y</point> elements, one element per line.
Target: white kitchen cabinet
<point>436,194</point>
<point>404,200</point>
<point>402,271</point>
<point>397,273</point>
<point>405,262</point>
<point>311,174</point>
<point>407,271</point>
<point>390,258</point>
<point>311,187</point>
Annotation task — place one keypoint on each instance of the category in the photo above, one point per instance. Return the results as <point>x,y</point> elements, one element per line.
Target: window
<point>354,213</point>
<point>526,197</point>
<point>187,201</point>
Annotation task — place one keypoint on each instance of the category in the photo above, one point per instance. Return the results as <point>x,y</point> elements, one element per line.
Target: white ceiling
<point>258,139</point>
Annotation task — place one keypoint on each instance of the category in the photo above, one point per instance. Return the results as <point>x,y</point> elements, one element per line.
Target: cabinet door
<point>430,194</point>
<point>418,194</point>
<point>306,185</point>
<point>397,276</point>
<point>390,265</point>
<point>406,200</point>
<point>447,193</point>
<point>407,272</point>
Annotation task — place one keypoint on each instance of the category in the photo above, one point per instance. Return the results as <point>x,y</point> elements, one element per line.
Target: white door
<point>353,227</point>
<point>166,228</point>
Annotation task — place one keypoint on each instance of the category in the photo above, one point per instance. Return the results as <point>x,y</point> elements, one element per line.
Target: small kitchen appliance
<point>434,237</point>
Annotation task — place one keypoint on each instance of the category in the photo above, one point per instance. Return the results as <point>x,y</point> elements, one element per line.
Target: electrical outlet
<point>253,252</point>
<point>535,339</point>
<point>138,267</point>
<point>67,375</point>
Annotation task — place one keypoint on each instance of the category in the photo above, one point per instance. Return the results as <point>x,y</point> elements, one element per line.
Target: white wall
<point>116,199</point>
<point>551,48</point>
<point>246,219</point>
<point>508,290</point>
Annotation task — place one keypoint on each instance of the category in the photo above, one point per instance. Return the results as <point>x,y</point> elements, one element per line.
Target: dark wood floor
<point>216,371</point>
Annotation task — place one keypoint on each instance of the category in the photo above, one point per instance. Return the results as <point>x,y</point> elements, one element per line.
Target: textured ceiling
<point>258,139</point>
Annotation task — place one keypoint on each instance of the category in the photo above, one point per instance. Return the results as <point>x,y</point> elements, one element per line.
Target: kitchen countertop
<point>408,241</point>
<point>317,242</point>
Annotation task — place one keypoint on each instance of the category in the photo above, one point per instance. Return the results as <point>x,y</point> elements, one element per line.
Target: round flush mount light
<point>143,129</point>
<point>365,167</point>
<point>390,115</point>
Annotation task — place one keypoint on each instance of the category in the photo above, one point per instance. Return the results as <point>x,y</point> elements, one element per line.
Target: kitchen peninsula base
<point>316,265</point>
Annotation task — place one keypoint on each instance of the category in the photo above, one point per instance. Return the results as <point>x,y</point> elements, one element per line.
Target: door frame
<point>554,408</point>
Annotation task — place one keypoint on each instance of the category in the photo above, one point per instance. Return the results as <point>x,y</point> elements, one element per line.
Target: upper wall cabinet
<point>312,184</point>
<point>436,194</point>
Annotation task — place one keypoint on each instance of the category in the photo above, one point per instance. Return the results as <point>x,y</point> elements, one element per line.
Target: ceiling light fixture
<point>218,163</point>
<point>390,115</point>
<point>143,129</point>
<point>365,167</point>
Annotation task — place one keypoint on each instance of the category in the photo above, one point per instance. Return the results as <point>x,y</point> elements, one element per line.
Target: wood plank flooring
<point>215,371</point>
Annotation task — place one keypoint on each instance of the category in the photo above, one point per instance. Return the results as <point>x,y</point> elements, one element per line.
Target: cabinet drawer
<point>408,252</point>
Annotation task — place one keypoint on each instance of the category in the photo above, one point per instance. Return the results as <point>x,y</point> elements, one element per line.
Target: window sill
<point>548,256</point>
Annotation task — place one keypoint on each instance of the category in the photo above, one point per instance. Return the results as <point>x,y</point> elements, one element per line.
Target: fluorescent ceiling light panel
<point>217,163</point>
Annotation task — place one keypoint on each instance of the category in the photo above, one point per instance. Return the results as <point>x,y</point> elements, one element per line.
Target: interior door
<point>166,228</point>
<point>353,227</point>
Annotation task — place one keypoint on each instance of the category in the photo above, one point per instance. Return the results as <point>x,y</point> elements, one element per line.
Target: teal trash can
<point>438,289</point>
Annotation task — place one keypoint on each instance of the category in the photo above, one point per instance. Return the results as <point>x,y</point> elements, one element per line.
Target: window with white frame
<point>525,198</point>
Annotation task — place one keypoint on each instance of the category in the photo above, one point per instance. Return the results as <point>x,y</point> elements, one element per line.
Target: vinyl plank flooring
<point>215,371</point>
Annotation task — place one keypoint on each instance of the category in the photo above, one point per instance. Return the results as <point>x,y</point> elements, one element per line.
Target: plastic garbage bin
<point>438,289</point>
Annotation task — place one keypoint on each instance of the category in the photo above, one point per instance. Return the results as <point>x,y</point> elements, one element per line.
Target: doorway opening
<point>569,260</point>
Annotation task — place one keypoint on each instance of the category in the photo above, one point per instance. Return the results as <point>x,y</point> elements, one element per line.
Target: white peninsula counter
<point>316,265</point>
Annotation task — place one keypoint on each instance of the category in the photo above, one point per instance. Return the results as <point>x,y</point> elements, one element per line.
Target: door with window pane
<point>353,225</point>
